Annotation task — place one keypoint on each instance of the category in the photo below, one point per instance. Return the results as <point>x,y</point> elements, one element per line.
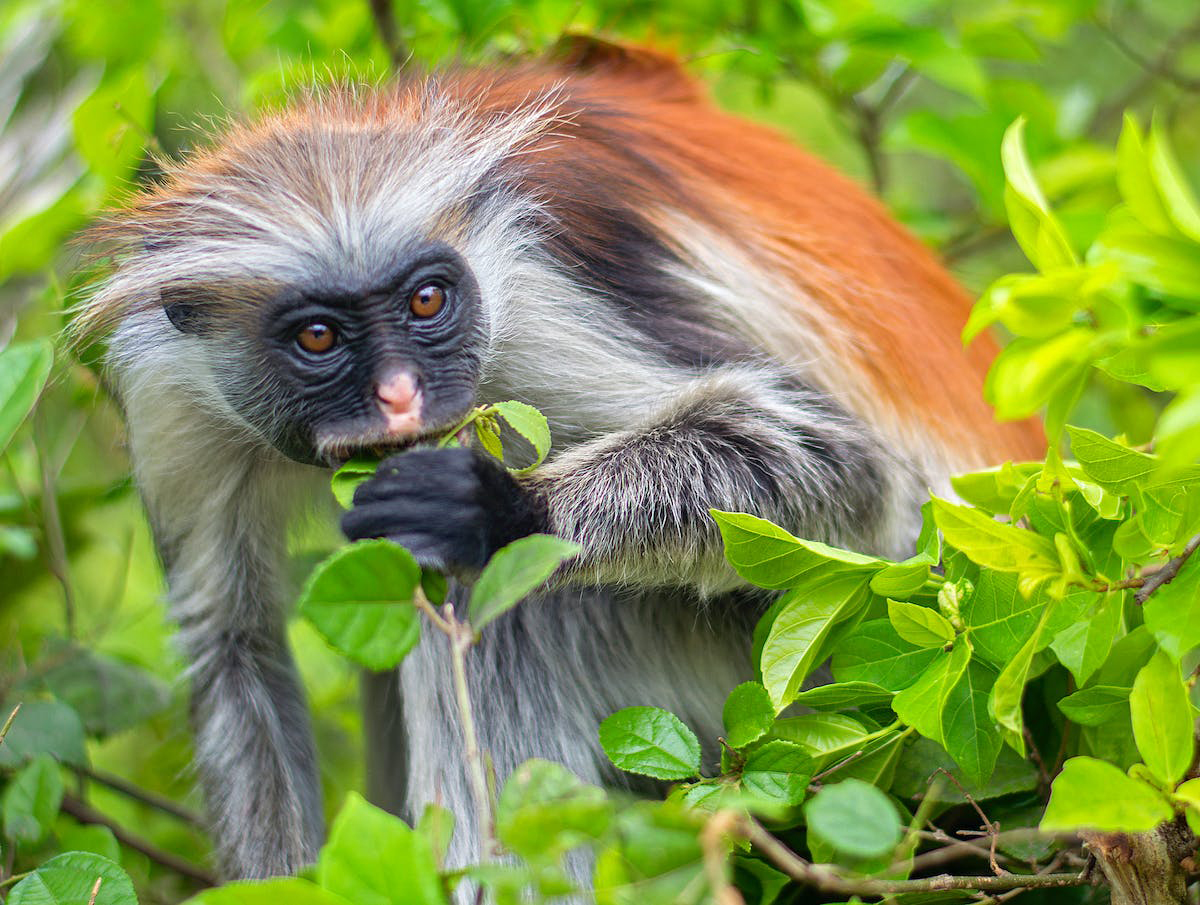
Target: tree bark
<point>1145,868</point>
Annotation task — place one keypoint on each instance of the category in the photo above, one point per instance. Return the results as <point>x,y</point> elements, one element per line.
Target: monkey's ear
<point>184,307</point>
<point>589,54</point>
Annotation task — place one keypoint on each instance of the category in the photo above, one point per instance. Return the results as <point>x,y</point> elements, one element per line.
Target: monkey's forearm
<point>255,756</point>
<point>638,501</point>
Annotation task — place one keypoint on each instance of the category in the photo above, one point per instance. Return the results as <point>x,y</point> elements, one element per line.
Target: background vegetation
<point>913,98</point>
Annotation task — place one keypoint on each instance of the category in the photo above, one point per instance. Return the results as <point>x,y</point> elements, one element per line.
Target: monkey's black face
<point>328,373</point>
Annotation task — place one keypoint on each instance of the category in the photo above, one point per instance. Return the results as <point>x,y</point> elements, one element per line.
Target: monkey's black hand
<point>452,508</point>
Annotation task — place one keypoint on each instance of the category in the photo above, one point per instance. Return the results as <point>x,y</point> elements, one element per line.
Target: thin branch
<point>389,32</point>
<point>144,796</point>
<point>828,880</point>
<point>85,813</point>
<point>713,842</point>
<point>992,830</point>
<point>1167,573</point>
<point>1152,71</point>
<point>1159,68</point>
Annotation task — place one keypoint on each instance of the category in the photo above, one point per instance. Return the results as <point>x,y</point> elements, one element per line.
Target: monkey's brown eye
<point>427,301</point>
<point>316,338</point>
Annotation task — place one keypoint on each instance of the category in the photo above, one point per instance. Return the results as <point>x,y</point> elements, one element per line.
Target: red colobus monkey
<point>708,317</point>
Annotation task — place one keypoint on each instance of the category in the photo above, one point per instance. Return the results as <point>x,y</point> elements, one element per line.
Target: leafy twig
<point>85,813</point>
<point>1167,573</point>
<point>462,636</point>
<point>143,796</point>
<point>826,879</point>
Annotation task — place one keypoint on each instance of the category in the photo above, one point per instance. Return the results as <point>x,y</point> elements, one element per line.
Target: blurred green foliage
<point>911,97</point>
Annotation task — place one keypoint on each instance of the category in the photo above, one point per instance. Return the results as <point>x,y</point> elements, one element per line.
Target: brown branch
<point>143,796</point>
<point>85,813</point>
<point>1167,573</point>
<point>385,22</point>
<point>992,830</point>
<point>828,880</point>
<point>1159,67</point>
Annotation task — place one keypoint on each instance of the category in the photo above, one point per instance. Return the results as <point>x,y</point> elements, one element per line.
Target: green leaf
<point>346,479</point>
<point>798,636</point>
<point>854,818</point>
<point>69,879</point>
<point>31,800</point>
<point>651,742</point>
<point>920,625</point>
<point>42,727</point>
<point>24,368</point>
<point>1029,374</point>
<point>995,545</point>
<point>1172,612</point>
<point>768,556</point>
<point>994,489</point>
<point>968,731</point>
<point>545,809</point>
<point>1135,182</point>
<point>1033,225</point>
<point>1164,265</point>
<point>1094,795</point>
<point>999,620</point>
<point>360,600</point>
<point>530,424</point>
<point>923,703</point>
<point>99,840</point>
<point>1084,645</point>
<point>1097,705</point>
<point>292,890</point>
<point>922,757</point>
<point>844,695</point>
<point>1189,793</point>
<point>1005,703</point>
<point>748,714</point>
<point>1108,463</point>
<point>1162,718</point>
<point>1177,436</point>
<point>826,736</point>
<point>374,858</point>
<point>514,572</point>
<point>874,653</point>
<point>108,694</point>
<point>1174,190</point>
<point>779,771</point>
<point>903,579</point>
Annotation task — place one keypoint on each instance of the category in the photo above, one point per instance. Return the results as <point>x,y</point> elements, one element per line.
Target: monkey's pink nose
<point>400,401</point>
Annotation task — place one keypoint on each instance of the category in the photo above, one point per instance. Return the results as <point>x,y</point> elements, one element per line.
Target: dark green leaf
<point>31,800</point>
<point>779,771</point>
<point>968,732</point>
<point>1098,705</point>
<point>24,368</point>
<point>854,818</point>
<point>69,879</point>
<point>844,696</point>
<point>874,653</point>
<point>42,727</point>
<point>922,705</point>
<point>748,714</point>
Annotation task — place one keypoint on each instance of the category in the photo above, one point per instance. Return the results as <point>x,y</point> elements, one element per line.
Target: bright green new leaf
<point>994,489</point>
<point>1096,705</point>
<point>1029,374</point>
<point>798,636</point>
<point>516,571</point>
<point>1165,265</point>
<point>778,771</point>
<point>31,800</point>
<point>1033,225</point>
<point>530,424</point>
<point>70,878</point>
<point>903,579</point>
<point>374,858</point>
<point>360,600</point>
<point>1174,190</point>
<point>1005,702</point>
<point>922,705</point>
<point>652,742</point>
<point>347,478</point>
<point>1189,793</point>
<point>1177,437</point>
<point>24,368</point>
<point>1107,462</point>
<point>1162,718</point>
<point>748,714</point>
<point>1091,794</point>
<point>920,625</point>
<point>854,818</point>
<point>993,544</point>
<point>1135,182</point>
<point>768,556</point>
